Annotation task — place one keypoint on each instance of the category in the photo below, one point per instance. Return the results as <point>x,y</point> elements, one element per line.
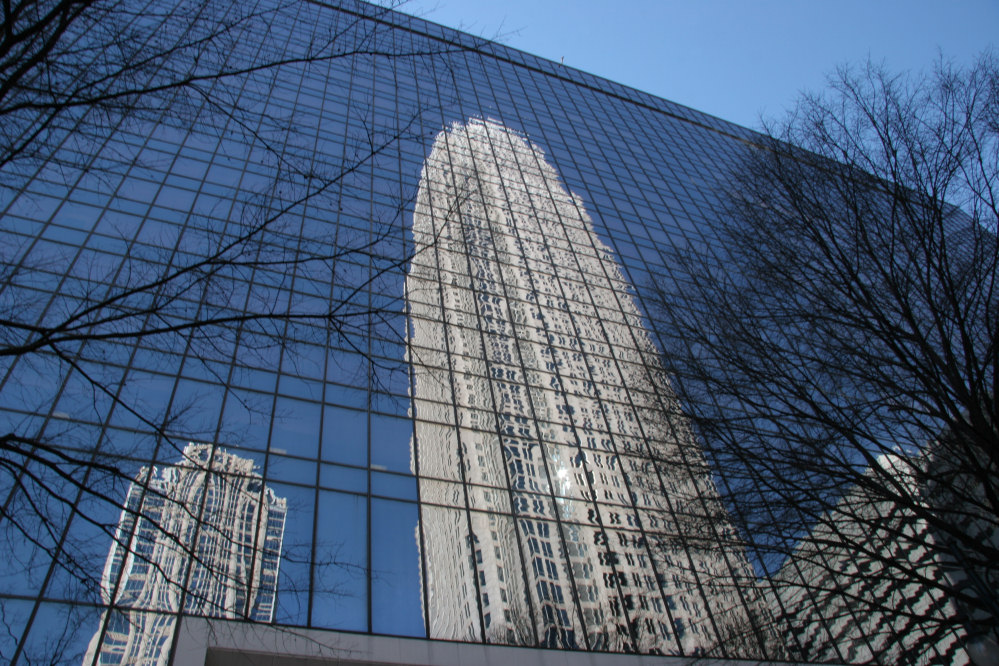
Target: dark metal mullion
<point>599,400</point>
<point>457,421</point>
<point>666,495</point>
<point>261,498</point>
<point>520,60</point>
<point>310,620</point>
<point>421,542</point>
<point>686,467</point>
<point>281,350</point>
<point>369,329</point>
<point>454,402</point>
<point>204,495</point>
<point>563,391</point>
<point>497,427</point>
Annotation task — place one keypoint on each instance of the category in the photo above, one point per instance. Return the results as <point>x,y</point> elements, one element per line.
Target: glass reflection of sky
<point>312,409</point>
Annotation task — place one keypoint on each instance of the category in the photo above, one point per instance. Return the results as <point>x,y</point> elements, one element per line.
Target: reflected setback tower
<point>565,503</point>
<point>204,534</point>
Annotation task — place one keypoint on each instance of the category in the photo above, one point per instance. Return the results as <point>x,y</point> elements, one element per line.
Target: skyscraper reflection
<point>203,535</point>
<point>564,501</point>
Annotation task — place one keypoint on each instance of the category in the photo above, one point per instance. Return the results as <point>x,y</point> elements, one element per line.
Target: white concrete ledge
<point>220,643</point>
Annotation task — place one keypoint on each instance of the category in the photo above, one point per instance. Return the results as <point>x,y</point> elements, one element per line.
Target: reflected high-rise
<point>546,431</point>
<point>436,346</point>
<point>203,535</point>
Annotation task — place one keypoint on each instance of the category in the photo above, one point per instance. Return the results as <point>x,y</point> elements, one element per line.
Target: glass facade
<point>396,294</point>
<point>203,534</point>
<point>541,406</point>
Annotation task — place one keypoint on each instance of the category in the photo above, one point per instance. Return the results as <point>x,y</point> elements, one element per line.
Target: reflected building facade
<point>203,537</point>
<point>461,431</point>
<point>563,493</point>
<point>869,575</point>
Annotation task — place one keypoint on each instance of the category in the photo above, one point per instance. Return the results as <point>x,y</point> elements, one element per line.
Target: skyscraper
<point>398,277</point>
<point>203,535</point>
<point>536,387</point>
<point>868,574</point>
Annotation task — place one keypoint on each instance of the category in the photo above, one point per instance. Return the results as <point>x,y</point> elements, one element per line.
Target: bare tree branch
<point>837,352</point>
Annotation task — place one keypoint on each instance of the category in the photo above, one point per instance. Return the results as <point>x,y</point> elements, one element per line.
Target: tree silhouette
<point>836,349</point>
<point>124,265</point>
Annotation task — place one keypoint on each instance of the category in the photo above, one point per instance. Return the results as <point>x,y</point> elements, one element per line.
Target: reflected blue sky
<point>645,178</point>
<point>395,569</point>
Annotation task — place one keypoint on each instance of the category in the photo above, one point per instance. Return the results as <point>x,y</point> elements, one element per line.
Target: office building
<point>864,577</point>
<point>537,387</point>
<point>203,535</point>
<point>396,276</point>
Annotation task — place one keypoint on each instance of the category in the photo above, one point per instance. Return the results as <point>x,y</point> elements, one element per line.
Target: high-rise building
<point>203,535</point>
<point>397,276</point>
<point>397,270</point>
<point>865,576</point>
<point>546,432</point>
<point>872,576</point>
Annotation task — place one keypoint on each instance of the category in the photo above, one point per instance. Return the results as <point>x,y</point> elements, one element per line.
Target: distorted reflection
<point>202,536</point>
<point>533,377</point>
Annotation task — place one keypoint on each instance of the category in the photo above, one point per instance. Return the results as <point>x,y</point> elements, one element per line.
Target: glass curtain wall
<point>397,289</point>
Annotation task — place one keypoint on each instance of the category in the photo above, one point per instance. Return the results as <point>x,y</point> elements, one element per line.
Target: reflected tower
<point>204,535</point>
<point>564,502</point>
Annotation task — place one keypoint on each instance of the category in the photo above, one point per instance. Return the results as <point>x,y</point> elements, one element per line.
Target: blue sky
<point>736,60</point>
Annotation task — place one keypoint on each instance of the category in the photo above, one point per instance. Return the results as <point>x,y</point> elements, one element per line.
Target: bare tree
<point>836,349</point>
<point>87,87</point>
